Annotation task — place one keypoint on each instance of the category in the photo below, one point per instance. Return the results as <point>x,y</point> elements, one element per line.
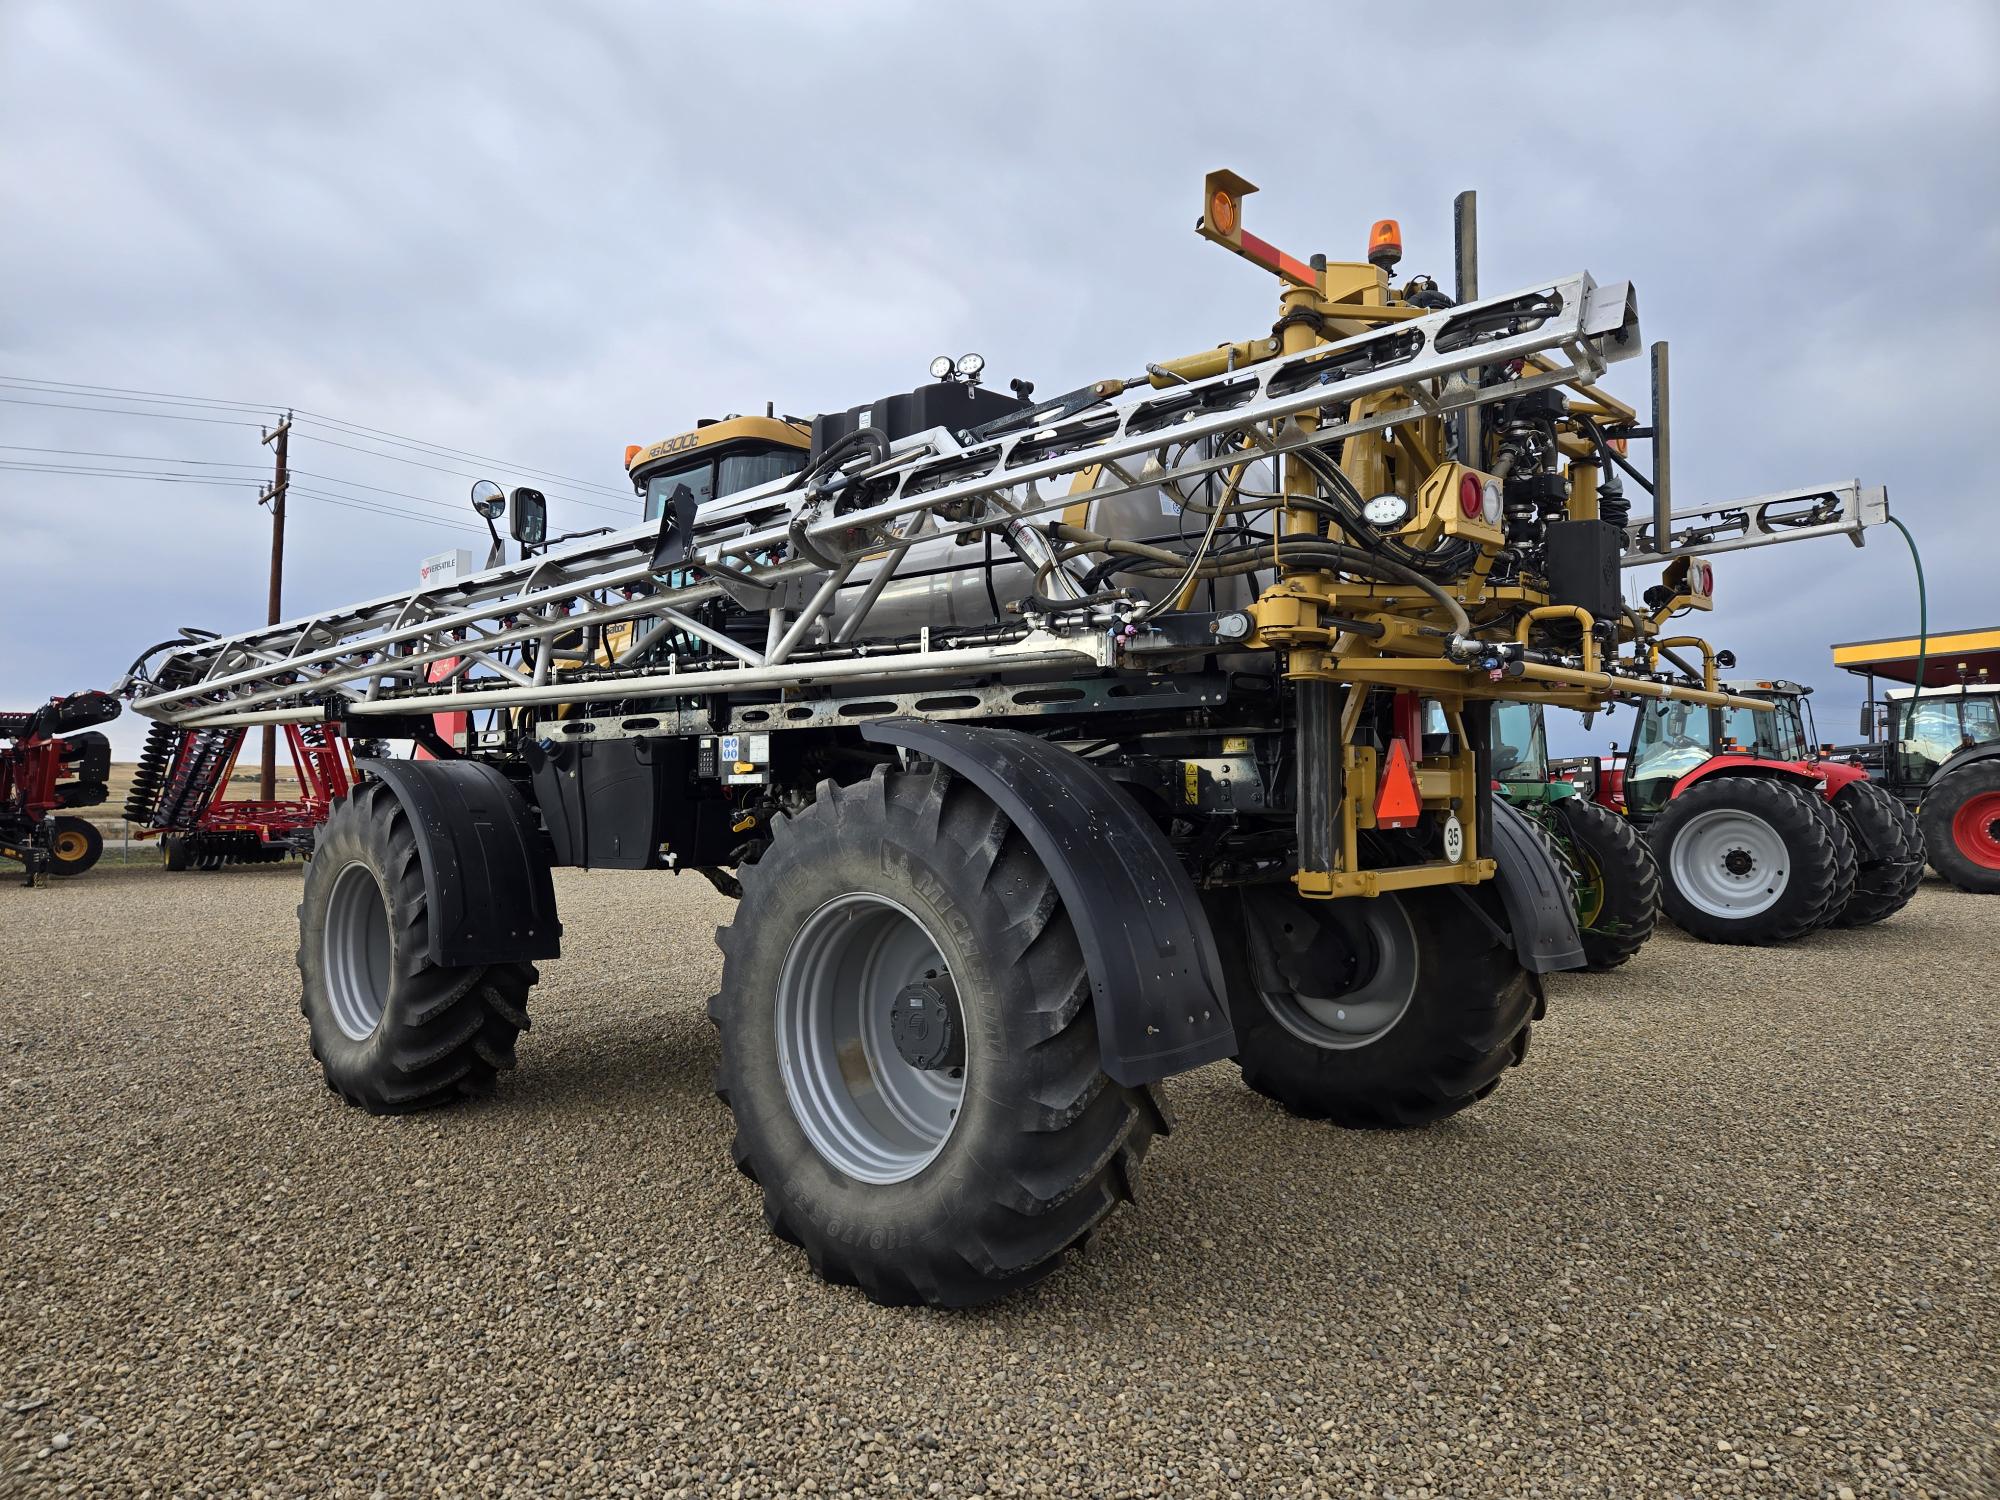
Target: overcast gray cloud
<point>542,233</point>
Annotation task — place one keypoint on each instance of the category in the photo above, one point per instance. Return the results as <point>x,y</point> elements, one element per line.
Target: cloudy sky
<point>537,233</point>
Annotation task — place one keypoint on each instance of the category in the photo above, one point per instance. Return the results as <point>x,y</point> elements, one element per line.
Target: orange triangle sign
<point>1397,804</point>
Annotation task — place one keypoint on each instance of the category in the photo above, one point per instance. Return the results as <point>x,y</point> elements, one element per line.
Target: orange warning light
<point>1397,804</point>
<point>632,451</point>
<point>1385,243</point>
<point>1222,209</point>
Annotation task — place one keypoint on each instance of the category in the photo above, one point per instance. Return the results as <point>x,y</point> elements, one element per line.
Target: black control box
<point>1582,566</point>
<point>951,404</point>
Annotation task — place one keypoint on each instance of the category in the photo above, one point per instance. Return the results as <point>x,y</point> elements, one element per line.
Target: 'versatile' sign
<point>446,567</point>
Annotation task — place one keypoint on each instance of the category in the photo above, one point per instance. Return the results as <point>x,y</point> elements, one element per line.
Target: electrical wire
<point>312,418</point>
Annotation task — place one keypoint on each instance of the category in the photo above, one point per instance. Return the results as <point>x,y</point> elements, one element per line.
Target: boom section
<point>789,545</point>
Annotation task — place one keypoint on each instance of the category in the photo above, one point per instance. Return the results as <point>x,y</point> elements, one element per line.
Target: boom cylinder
<point>1318,800</point>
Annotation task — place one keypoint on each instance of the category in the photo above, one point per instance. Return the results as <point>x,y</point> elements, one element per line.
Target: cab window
<point>1934,731</point>
<point>1673,739</point>
<point>698,477</point>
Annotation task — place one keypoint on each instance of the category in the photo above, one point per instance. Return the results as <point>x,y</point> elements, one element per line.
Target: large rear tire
<point>1960,818</point>
<point>1617,881</point>
<point>951,1153</point>
<point>1747,859</point>
<point>1395,1010</point>
<point>1892,853</point>
<point>393,1031</point>
<point>78,845</point>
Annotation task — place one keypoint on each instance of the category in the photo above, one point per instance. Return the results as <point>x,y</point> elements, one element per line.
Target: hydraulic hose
<point>1923,609</point>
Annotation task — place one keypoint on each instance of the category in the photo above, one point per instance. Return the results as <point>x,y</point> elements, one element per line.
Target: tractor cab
<point>717,458</point>
<point>1673,739</point>
<point>1925,729</point>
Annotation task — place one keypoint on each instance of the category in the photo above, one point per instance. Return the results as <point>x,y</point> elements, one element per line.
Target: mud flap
<point>1541,909</point>
<point>486,864</point>
<point>1154,974</point>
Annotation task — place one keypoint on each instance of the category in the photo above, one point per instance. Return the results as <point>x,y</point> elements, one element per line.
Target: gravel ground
<point>1728,1231</point>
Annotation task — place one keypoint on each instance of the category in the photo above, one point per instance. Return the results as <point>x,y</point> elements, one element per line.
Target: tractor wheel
<point>78,845</point>
<point>1846,856</point>
<point>393,1031</point>
<point>909,1048</point>
<point>174,852</point>
<point>1879,821</point>
<point>1617,881</point>
<point>1395,1010</point>
<point>1746,859</point>
<point>1960,817</point>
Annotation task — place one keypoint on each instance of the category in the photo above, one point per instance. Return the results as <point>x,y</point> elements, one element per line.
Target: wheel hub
<point>357,952</point>
<point>871,1038</point>
<point>1975,828</point>
<point>925,1024</point>
<point>1729,863</point>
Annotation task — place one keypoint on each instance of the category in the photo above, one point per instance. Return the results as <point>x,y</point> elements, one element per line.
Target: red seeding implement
<point>51,758</point>
<point>178,796</point>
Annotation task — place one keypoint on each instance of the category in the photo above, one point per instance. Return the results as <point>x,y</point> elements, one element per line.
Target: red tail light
<point>1471,496</point>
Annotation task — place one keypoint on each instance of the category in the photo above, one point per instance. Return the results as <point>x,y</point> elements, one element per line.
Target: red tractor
<point>1759,838</point>
<point>52,758</point>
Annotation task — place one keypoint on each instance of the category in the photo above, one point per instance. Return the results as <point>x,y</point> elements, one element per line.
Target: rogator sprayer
<point>1053,746</point>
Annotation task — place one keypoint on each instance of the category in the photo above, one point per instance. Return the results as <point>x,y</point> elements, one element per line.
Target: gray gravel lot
<point>1729,1230</point>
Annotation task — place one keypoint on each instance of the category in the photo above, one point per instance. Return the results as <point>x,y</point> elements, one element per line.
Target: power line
<point>349,502</point>
<point>340,424</point>
<point>79,472</point>
<point>111,411</point>
<point>146,458</point>
<point>461,473</point>
<point>399,494</point>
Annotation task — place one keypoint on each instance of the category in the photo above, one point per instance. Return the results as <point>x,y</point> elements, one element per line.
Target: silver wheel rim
<point>873,1115</point>
<point>1729,863</point>
<point>1368,1011</point>
<point>357,952</point>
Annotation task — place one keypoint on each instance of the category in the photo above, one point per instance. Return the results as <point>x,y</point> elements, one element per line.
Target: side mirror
<point>488,499</point>
<point>531,517</point>
<point>1724,660</point>
<point>1868,720</point>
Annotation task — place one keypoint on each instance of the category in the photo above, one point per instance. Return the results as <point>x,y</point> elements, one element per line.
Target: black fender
<point>1541,908</point>
<point>1155,976</point>
<point>1960,759</point>
<point>485,861</point>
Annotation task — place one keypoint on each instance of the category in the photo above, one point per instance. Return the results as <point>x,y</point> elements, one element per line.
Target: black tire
<point>438,1035</point>
<point>78,845</point>
<point>174,851</point>
<point>1846,857</point>
<point>1891,850</point>
<point>1962,842</point>
<point>1465,1004</point>
<point>1033,1157</point>
<point>1808,872</point>
<point>1618,881</point>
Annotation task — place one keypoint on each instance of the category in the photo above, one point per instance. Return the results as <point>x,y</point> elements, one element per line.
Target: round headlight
<point>1489,503</point>
<point>1386,510</point>
<point>941,367</point>
<point>970,365</point>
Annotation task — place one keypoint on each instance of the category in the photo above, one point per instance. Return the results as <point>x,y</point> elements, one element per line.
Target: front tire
<point>1747,859</point>
<point>1617,882</point>
<point>78,845</point>
<point>1960,817</point>
<point>392,1031</point>
<point>1390,1011</point>
<point>895,1173</point>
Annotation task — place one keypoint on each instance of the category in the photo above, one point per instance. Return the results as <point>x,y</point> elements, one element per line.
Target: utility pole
<point>275,494</point>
